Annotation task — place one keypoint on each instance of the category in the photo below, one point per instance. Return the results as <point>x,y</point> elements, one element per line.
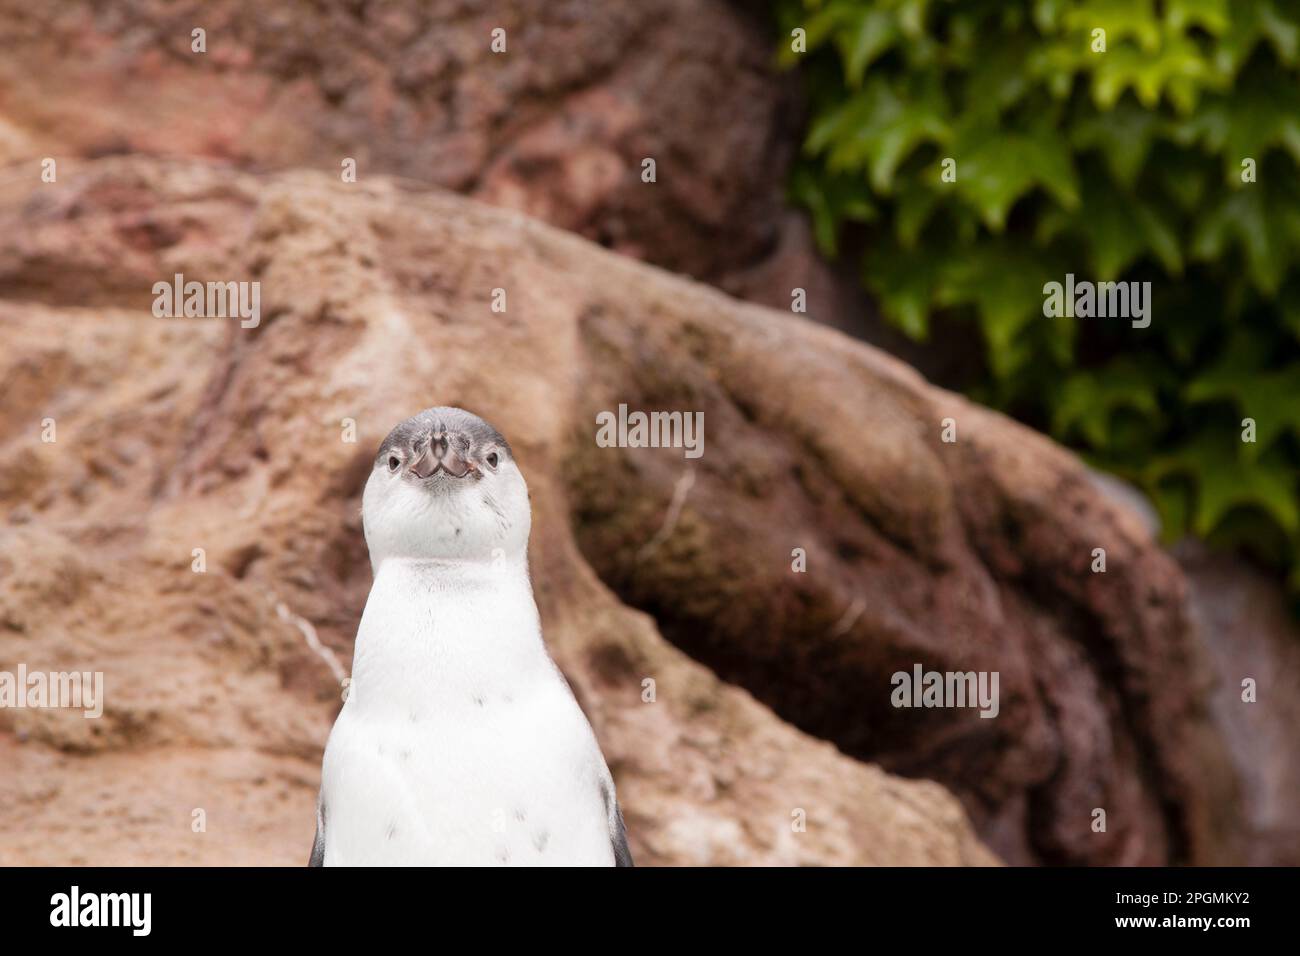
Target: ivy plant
<point>982,149</point>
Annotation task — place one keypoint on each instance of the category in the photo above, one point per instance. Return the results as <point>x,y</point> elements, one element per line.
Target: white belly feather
<point>459,743</point>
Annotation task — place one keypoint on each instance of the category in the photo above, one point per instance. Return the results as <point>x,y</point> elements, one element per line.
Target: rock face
<point>558,126</point>
<point>194,443</point>
<point>1250,634</point>
<point>183,434</point>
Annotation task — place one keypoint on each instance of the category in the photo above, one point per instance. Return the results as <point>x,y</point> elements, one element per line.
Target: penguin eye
<point>492,459</point>
<point>393,462</point>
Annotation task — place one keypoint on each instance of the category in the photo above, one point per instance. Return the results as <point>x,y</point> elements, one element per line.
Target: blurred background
<point>894,183</point>
<point>1153,142</point>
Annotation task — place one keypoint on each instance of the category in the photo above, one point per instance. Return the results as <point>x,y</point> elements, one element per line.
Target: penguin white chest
<point>460,744</point>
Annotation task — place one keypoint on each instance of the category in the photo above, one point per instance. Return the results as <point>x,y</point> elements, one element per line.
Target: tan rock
<point>177,434</point>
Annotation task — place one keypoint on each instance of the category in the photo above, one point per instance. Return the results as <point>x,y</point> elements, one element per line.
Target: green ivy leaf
<point>1224,482</point>
<point>1258,116</point>
<point>1004,282</point>
<point>995,81</point>
<point>915,205</point>
<point>1177,68</point>
<point>1089,399</point>
<point>1181,175</point>
<point>1271,398</point>
<point>1266,229</point>
<point>873,33</point>
<point>831,202</point>
<point>1049,15</point>
<point>996,168</point>
<point>1119,229</point>
<point>1210,15</point>
<point>1253,23</point>
<point>1120,19</point>
<point>876,130</point>
<point>904,282</point>
<point>1123,138</point>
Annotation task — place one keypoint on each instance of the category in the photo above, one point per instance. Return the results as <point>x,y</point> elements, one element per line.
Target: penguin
<point>459,743</point>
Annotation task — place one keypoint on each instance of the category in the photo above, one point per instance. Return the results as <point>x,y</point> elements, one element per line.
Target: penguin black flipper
<point>622,855</point>
<point>318,842</point>
<point>617,831</point>
<point>317,851</point>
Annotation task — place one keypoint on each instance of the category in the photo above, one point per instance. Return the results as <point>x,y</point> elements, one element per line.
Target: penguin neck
<point>434,632</point>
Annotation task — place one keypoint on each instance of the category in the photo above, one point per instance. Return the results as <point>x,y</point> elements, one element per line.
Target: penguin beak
<point>439,455</point>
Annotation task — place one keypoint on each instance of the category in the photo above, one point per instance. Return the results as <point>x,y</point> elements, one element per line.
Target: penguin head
<point>445,486</point>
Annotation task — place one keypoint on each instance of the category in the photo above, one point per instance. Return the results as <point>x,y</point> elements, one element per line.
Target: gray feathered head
<point>445,486</point>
